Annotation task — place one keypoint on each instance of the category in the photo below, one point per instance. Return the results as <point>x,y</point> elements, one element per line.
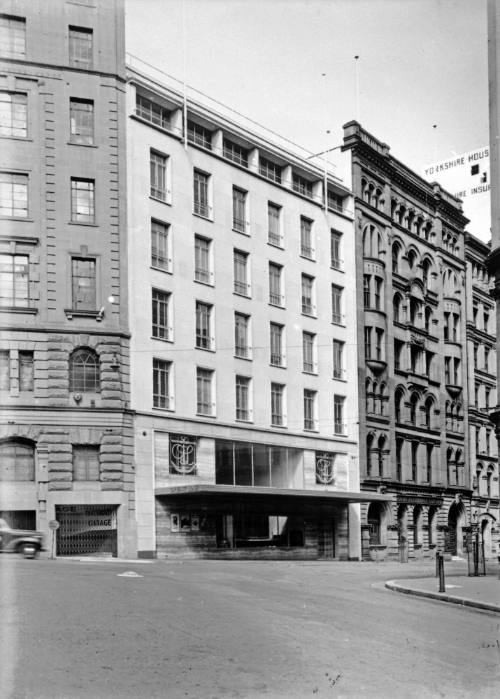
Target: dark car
<point>25,541</point>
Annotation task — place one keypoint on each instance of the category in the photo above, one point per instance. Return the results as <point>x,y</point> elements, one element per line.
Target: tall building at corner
<point>65,431</point>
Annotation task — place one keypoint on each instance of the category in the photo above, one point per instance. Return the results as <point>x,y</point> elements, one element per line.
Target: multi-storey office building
<point>242,292</point>
<point>482,384</point>
<point>65,433</point>
<point>411,355</point>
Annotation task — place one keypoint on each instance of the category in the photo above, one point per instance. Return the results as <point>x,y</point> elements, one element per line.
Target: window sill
<point>83,223</point>
<point>167,270</point>
<point>313,430</point>
<point>245,422</point>
<point>309,315</point>
<point>278,366</point>
<point>205,349</point>
<point>199,281</point>
<point>339,378</point>
<point>338,324</point>
<point>162,339</point>
<point>309,373</point>
<point>243,296</point>
<point>70,312</point>
<point>279,246</point>
<point>18,309</point>
<point>245,359</point>
<point>279,427</point>
<point>307,257</point>
<point>337,269</point>
<point>161,201</point>
<point>85,145</point>
<point>276,305</point>
<point>237,230</point>
<point>18,138</point>
<point>205,218</point>
<point>26,219</point>
<point>163,410</point>
<point>211,415</point>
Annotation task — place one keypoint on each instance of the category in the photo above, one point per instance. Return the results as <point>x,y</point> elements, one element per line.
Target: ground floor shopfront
<point>416,524</point>
<point>74,467</point>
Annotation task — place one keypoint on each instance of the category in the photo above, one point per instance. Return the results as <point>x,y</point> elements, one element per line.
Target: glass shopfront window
<point>260,465</point>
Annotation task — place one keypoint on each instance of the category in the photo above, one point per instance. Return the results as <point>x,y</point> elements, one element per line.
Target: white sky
<point>422,62</point>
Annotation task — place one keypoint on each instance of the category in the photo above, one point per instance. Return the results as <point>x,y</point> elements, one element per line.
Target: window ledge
<point>18,309</point>
<point>279,427</point>
<point>163,410</point>
<point>83,223</point>
<point>205,349</point>
<point>199,281</point>
<point>278,366</point>
<point>211,415</point>
<point>17,218</point>
<point>85,145</point>
<point>17,138</point>
<point>204,218</point>
<point>244,296</point>
<point>245,422</point>
<point>237,230</point>
<point>70,312</point>
<point>161,201</point>
<point>306,257</point>
<point>245,359</point>
<point>162,339</point>
<point>161,269</point>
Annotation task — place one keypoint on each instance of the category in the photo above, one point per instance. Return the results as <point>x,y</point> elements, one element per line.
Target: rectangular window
<point>366,290</point>
<point>338,414</point>
<point>204,339</point>
<point>335,243</point>
<point>14,280</point>
<point>239,210</point>
<point>429,463</point>
<point>12,36</point>
<point>13,114</point>
<point>200,187</point>
<point>82,201</point>
<point>83,283</point>
<point>398,354</point>
<point>277,394</point>
<point>310,420</point>
<point>4,370</point>
<point>302,186</point>
<point>242,335</point>
<point>399,459</point>
<point>414,462</point>
<point>368,342</point>
<point>241,285</point>
<point>160,302</point>
<point>161,384</point>
<point>306,238</point>
<point>308,352</point>
<point>85,462</point>
<point>202,260</point>
<point>160,246</point>
<point>269,170</point>
<point>274,224</point>
<point>337,304</point>
<point>243,411</point>
<point>81,121</point>
<point>335,202</point>
<point>158,175</point>
<point>275,285</point>
<point>308,300</point>
<point>80,47</point>
<point>236,153</point>
<point>204,387</point>
<point>26,370</point>
<point>152,112</point>
<point>276,344</point>
<point>13,195</point>
<point>338,359</point>
<point>379,344</point>
<point>378,293</point>
<point>199,135</point>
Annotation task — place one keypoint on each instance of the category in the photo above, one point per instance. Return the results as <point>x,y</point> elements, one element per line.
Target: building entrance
<point>86,530</point>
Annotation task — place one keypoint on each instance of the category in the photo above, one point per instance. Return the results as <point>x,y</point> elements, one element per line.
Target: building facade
<point>482,372</point>
<point>65,427</point>
<point>242,296</point>
<point>413,403</point>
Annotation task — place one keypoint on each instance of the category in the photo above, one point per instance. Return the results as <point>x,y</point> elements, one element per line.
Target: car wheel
<point>28,550</point>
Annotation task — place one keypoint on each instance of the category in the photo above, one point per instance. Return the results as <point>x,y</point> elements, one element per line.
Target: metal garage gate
<point>86,530</point>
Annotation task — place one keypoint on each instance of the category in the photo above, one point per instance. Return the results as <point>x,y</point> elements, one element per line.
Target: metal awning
<point>282,495</point>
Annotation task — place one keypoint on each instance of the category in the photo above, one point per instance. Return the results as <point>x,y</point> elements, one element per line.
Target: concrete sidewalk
<point>482,592</point>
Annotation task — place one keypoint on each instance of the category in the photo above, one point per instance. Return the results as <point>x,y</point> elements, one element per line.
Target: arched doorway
<point>453,539</point>
<point>485,528</point>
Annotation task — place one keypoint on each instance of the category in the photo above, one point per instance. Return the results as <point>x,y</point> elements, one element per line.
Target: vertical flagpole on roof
<point>325,175</point>
<point>184,62</point>
<point>356,67</point>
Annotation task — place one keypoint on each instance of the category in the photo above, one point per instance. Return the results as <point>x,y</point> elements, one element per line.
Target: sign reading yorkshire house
<point>467,176</point>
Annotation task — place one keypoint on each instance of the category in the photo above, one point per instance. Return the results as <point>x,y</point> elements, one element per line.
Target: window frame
<point>161,232</point>
<point>308,295</point>
<point>89,466</point>
<point>275,281</point>
<point>241,282</point>
<point>8,128</point>
<point>278,402</point>
<point>307,249</point>
<point>14,262</point>
<point>240,197</point>
<point>339,427</point>
<point>89,382</point>
<point>81,133</point>
<point>274,225</point>
<point>204,381</point>
<point>159,176</point>
<point>88,203</point>
<point>337,306</point>
<point>162,384</point>
<point>161,314</point>
<point>309,353</point>
<point>77,57</point>
<point>310,410</point>
<point>9,183</point>
<point>202,194</point>
<point>204,326</point>
<point>276,343</point>
<point>242,335</point>
<point>15,28</point>
<point>243,391</point>
<point>83,305</point>
<point>203,273</point>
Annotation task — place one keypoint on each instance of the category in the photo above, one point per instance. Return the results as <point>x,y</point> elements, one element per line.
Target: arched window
<point>372,242</point>
<point>413,408</point>
<point>428,318</point>
<point>409,220</point>
<point>414,311</point>
<point>479,477</point>
<point>383,389</point>
<point>400,215</point>
<point>412,259</point>
<point>449,460</point>
<point>375,397</point>
<point>457,469</point>
<point>489,480</point>
<point>398,405</point>
<point>396,249</point>
<point>426,273</point>
<point>428,412</point>
<point>379,202</point>
<point>17,460</point>
<point>369,454</point>
<point>394,206</point>
<point>381,456</point>
<point>396,308</point>
<point>364,191</point>
<point>84,372</point>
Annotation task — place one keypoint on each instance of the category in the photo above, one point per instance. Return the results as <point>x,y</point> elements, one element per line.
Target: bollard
<point>437,563</point>
<point>441,573</point>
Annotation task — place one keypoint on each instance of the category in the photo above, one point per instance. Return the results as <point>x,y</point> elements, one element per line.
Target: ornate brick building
<point>413,402</point>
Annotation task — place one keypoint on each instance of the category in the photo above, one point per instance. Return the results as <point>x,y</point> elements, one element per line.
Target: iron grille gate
<point>86,530</point>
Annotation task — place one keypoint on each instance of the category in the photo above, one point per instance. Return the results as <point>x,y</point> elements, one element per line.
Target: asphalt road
<point>211,629</point>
